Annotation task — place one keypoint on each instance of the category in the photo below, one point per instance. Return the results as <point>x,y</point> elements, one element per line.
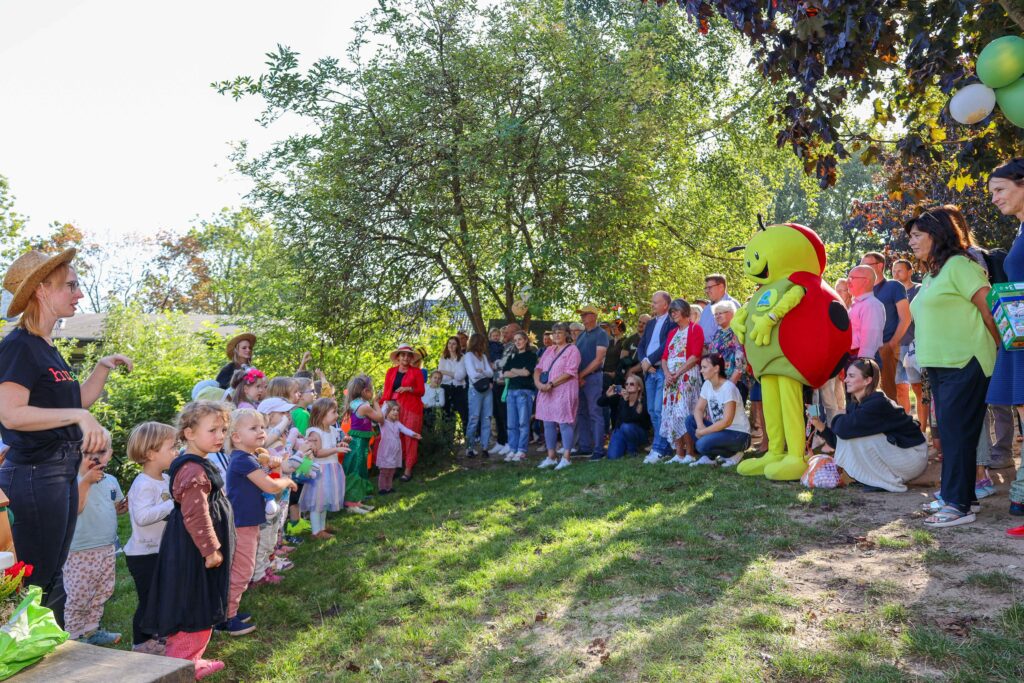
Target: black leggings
<point>142,568</point>
<point>456,400</point>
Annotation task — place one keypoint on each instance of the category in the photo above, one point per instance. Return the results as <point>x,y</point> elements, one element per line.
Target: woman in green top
<point>956,341</point>
<point>518,372</point>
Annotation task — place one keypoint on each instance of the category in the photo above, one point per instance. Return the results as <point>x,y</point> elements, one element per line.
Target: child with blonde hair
<point>247,482</point>
<point>389,450</point>
<point>154,446</point>
<point>90,569</point>
<point>189,593</point>
<point>325,493</point>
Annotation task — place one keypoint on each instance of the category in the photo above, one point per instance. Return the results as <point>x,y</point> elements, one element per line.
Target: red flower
<point>17,568</point>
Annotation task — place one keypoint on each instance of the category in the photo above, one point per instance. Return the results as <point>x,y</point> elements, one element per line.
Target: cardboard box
<point>1006,301</point>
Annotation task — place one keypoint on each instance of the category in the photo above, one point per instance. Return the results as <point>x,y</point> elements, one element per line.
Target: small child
<point>303,398</point>
<point>189,594</point>
<point>389,450</point>
<point>433,401</point>
<point>248,482</point>
<point>364,410</point>
<point>281,442</point>
<point>154,446</point>
<point>248,387</point>
<point>326,493</point>
<point>90,569</point>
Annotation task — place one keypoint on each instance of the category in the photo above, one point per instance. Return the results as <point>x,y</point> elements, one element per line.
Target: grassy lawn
<point>611,571</point>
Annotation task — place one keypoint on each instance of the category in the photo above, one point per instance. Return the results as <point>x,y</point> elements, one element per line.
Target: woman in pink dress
<point>557,402</point>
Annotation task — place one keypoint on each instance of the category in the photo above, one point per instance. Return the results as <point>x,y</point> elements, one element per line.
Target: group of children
<point>211,507</point>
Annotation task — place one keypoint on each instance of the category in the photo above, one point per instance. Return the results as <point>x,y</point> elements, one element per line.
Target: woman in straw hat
<point>404,384</point>
<point>44,417</point>
<point>239,349</point>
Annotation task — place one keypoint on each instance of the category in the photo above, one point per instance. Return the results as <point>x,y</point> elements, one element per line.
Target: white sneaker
<point>519,457</point>
<point>704,460</point>
<point>652,458</point>
<point>688,460</point>
<point>733,461</point>
<point>563,464</point>
<point>676,460</point>
<point>546,463</point>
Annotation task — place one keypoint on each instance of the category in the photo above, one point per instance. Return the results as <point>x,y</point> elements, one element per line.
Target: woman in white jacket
<point>478,372</point>
<point>453,382</point>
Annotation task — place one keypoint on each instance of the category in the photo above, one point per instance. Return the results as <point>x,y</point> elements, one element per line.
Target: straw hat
<point>236,340</point>
<point>27,271</point>
<point>405,348</point>
<point>589,308</point>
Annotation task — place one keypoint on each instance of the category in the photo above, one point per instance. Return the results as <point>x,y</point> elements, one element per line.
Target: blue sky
<point>107,119</point>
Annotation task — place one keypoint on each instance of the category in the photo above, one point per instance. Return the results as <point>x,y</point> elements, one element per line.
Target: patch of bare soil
<point>954,579</point>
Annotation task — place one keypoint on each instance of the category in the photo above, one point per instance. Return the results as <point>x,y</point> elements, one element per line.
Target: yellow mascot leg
<point>755,467</point>
<point>791,400</point>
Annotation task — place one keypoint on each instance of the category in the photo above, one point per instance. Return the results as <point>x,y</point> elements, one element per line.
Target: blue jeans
<point>520,407</point>
<point>727,442</point>
<point>479,430</point>
<point>654,383</point>
<point>590,416</point>
<point>626,438</point>
<point>43,488</point>
<point>551,432</point>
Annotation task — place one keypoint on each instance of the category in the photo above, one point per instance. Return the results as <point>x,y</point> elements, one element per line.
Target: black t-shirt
<point>397,384</point>
<point>527,360</point>
<point>225,375</point>
<point>28,360</point>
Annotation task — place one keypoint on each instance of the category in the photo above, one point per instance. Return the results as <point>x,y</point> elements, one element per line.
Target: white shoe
<point>563,464</point>
<point>652,458</point>
<point>676,460</point>
<point>546,463</point>
<point>688,460</point>
<point>519,457</point>
<point>733,461</point>
<point>704,460</point>
<point>509,458</point>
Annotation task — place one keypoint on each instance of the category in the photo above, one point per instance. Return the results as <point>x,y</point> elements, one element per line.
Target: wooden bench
<point>75,662</point>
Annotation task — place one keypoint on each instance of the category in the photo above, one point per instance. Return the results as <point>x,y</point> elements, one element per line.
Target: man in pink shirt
<point>867,314</point>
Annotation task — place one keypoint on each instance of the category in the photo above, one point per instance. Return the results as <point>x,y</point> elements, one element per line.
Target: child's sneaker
<point>101,637</point>
<point>284,549</point>
<point>983,488</point>
<point>293,540</point>
<point>299,527</point>
<point>269,579</point>
<point>235,627</point>
<point>244,617</point>
<point>356,510</point>
<point>283,565</point>
<point>205,667</point>
<point>150,647</point>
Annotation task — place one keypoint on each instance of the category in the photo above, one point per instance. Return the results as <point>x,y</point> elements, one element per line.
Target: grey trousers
<point>1002,418</point>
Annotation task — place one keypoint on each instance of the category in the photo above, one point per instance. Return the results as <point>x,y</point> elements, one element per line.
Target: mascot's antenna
<point>760,222</point>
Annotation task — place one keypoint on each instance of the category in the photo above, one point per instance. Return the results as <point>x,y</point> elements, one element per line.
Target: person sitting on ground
<point>629,417</point>
<point>727,435</point>
<point>876,442</point>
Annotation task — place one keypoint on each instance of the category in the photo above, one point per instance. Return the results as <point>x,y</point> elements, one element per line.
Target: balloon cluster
<point>1000,67</point>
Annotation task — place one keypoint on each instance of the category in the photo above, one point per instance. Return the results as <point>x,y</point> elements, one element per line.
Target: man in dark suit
<point>648,355</point>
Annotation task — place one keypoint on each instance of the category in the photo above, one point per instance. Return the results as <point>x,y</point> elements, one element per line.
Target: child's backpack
<point>822,473</point>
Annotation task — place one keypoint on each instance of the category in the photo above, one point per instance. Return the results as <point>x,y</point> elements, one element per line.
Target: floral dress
<point>681,396</point>
<point>726,344</point>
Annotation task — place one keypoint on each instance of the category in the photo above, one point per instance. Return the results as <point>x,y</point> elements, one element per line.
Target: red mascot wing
<point>816,335</point>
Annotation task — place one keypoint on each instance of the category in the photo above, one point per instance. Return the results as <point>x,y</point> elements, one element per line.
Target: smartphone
<point>617,388</point>
<point>812,411</point>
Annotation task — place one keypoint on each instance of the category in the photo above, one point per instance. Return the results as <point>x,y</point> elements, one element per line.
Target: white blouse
<point>457,370</point>
<point>477,368</point>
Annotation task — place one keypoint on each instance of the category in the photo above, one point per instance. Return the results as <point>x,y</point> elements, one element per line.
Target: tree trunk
<point>1015,10</point>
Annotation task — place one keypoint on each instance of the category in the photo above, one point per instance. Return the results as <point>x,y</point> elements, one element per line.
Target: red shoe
<point>1016,532</point>
<point>269,579</point>
<point>205,667</point>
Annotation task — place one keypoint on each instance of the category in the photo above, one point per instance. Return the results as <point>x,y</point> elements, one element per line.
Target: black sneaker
<point>235,627</point>
<point>244,617</point>
<point>471,454</point>
<point>484,454</point>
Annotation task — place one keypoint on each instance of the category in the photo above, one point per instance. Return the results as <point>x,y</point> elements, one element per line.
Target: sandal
<point>949,516</point>
<point>408,477</point>
<point>937,505</point>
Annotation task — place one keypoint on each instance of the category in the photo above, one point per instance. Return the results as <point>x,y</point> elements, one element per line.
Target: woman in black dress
<point>239,349</point>
<point>44,417</point>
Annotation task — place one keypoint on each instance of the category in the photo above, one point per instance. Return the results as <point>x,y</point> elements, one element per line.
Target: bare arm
<point>903,310</point>
<point>986,315</point>
<point>730,413</point>
<point>92,388</point>
<point>264,483</point>
<point>16,413</point>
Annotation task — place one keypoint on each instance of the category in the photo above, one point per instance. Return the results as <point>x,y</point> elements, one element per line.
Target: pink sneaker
<point>269,578</point>
<point>205,667</point>
<point>284,549</point>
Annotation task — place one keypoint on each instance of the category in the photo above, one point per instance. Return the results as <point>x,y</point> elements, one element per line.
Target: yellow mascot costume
<point>796,332</point>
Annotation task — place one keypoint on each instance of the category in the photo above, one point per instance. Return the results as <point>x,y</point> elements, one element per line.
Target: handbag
<point>545,374</point>
<point>483,385</point>
<point>822,473</point>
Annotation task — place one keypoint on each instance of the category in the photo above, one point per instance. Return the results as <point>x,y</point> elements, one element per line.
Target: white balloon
<point>973,103</point>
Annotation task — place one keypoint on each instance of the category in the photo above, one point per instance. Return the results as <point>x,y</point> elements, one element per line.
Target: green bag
<point>31,634</point>
<point>504,393</point>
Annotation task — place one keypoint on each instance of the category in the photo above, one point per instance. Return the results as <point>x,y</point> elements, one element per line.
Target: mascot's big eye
<point>757,257</point>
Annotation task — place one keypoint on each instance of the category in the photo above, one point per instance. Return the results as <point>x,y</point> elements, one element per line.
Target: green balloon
<point>1001,62</point>
<point>1011,102</point>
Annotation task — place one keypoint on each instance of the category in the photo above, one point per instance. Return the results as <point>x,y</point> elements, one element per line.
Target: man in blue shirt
<point>908,379</point>
<point>893,296</point>
<point>592,343</point>
<point>715,289</point>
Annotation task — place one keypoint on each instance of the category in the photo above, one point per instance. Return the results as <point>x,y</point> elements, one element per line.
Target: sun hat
<point>589,308</point>
<point>274,404</point>
<point>27,271</point>
<point>236,340</point>
<point>405,348</point>
<point>214,393</point>
<point>203,384</point>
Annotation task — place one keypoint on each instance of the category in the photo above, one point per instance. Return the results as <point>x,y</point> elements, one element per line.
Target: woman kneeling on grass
<point>728,433</point>
<point>876,442</point>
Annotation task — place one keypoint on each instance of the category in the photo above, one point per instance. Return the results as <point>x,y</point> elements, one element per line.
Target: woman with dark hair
<point>727,435</point>
<point>479,376</point>
<point>44,418</point>
<point>453,383</point>
<point>876,442</point>
<point>952,297</point>
<point>1007,387</point>
<point>683,349</point>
